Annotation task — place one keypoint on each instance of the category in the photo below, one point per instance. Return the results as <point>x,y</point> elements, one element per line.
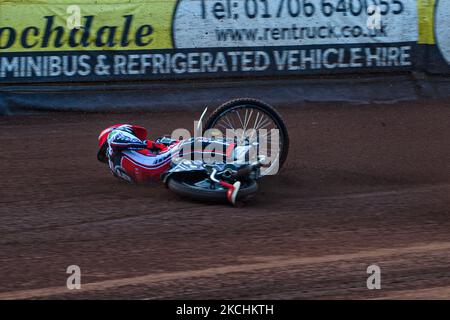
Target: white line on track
<point>216,271</point>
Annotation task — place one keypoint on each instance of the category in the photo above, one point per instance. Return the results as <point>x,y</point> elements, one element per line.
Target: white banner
<point>442,28</point>
<point>254,23</point>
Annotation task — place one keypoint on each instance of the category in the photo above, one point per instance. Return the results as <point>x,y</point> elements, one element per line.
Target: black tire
<point>257,104</point>
<point>186,190</point>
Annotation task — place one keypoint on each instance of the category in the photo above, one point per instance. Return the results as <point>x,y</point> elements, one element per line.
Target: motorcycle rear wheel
<point>188,188</point>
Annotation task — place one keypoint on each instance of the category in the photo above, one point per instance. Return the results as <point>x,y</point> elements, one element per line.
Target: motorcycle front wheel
<point>248,114</point>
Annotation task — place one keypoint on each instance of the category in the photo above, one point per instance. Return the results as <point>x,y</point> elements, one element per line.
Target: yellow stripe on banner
<point>426,21</point>
<point>42,25</point>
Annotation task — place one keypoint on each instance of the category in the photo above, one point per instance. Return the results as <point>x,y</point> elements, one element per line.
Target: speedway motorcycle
<point>242,141</point>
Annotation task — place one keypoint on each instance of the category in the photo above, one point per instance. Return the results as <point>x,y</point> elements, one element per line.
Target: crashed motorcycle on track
<point>242,141</point>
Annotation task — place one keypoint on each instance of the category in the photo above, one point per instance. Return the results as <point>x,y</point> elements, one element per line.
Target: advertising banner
<point>438,18</point>
<point>109,40</point>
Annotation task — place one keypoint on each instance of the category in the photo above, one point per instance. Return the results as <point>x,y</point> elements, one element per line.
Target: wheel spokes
<point>248,118</point>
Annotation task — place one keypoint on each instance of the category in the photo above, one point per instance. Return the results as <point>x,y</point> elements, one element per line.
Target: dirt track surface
<point>362,185</point>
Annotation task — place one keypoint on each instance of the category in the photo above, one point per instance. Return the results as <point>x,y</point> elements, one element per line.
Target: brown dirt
<point>362,185</point>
